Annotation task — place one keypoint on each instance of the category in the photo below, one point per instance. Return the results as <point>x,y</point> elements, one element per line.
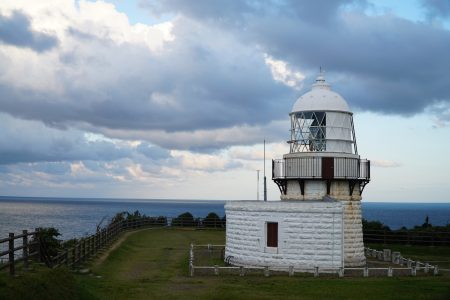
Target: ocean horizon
<point>77,217</point>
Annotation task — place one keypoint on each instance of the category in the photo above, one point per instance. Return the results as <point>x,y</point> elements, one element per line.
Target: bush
<point>212,220</point>
<point>185,219</point>
<point>51,244</point>
<point>374,225</point>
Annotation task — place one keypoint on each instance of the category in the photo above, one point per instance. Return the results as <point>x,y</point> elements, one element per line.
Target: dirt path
<point>100,259</point>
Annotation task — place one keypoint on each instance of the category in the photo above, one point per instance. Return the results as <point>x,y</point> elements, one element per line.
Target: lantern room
<point>321,121</point>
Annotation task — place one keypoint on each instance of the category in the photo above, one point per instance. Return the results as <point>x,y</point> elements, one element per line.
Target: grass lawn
<point>153,264</point>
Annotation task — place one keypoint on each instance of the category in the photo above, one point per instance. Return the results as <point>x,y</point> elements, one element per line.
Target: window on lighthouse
<point>272,234</point>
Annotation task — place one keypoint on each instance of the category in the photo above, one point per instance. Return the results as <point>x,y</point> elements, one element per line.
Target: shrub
<point>212,220</point>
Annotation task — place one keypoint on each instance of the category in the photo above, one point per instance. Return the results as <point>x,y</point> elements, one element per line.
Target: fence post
<point>413,271</point>
<point>191,260</point>
<point>409,263</point>
<point>389,274</point>
<point>25,249</point>
<point>83,250</point>
<point>436,270</point>
<point>74,255</point>
<point>66,257</point>
<point>12,269</point>
<point>291,271</point>
<point>37,238</point>
<point>366,272</point>
<point>427,267</point>
<point>316,271</point>
<point>241,271</point>
<point>266,271</point>
<point>216,270</point>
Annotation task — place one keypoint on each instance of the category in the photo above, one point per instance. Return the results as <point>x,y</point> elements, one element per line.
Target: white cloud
<point>283,73</point>
<point>385,163</point>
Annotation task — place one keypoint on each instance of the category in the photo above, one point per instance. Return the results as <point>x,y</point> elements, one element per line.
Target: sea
<point>78,217</point>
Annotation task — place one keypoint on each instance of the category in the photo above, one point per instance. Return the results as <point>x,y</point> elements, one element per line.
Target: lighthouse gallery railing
<point>311,168</point>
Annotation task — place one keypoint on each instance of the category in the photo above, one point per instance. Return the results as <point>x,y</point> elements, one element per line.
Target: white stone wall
<point>353,235</point>
<point>309,234</point>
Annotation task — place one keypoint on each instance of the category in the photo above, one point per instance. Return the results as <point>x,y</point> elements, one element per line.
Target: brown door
<point>272,234</point>
<point>327,167</point>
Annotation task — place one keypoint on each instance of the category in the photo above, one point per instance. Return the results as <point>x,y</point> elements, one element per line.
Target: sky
<point>173,99</point>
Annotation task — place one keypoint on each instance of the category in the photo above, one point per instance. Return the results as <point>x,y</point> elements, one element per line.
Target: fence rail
<point>395,265</point>
<point>34,248</point>
<point>407,237</point>
<point>30,246</point>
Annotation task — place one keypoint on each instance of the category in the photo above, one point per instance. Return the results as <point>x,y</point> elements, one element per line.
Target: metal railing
<point>209,260</point>
<point>311,168</point>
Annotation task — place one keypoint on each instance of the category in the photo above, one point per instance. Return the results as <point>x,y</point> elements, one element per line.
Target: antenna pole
<point>257,184</point>
<point>265,183</point>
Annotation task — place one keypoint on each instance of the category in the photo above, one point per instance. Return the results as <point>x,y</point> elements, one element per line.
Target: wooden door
<point>272,234</point>
<point>327,167</point>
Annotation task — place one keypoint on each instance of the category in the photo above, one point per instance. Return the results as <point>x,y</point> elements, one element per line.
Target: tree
<point>48,241</point>
<point>427,224</point>
<point>185,219</point>
<point>212,220</point>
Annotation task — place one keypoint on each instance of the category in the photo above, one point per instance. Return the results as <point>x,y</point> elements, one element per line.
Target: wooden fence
<point>24,247</point>
<point>31,246</point>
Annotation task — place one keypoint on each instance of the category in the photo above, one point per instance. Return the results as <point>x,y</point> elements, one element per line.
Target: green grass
<point>153,264</point>
<point>40,283</point>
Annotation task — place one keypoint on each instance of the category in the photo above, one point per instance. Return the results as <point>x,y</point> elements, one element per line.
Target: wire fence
<point>209,260</point>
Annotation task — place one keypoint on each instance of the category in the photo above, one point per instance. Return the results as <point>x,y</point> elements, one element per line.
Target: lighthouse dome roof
<point>321,98</point>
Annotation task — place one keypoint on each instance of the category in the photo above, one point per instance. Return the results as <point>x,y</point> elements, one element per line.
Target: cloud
<point>208,83</point>
<point>31,141</point>
<point>436,8</point>
<point>16,30</point>
<point>381,63</point>
<point>385,163</point>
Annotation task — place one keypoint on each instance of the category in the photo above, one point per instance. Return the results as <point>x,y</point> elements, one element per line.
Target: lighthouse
<point>317,222</point>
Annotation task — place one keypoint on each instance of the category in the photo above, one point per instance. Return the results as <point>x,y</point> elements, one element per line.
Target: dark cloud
<point>437,8</point>
<point>31,142</point>
<point>192,85</point>
<point>380,63</point>
<point>16,30</point>
<point>211,81</point>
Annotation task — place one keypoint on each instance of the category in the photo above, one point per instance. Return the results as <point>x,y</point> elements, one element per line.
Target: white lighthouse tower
<point>323,161</point>
<point>317,223</point>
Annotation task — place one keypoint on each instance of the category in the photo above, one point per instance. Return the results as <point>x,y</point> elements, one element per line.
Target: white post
<point>390,272</point>
<point>191,260</point>
<point>265,183</point>
<point>366,272</point>
<point>436,270</point>
<point>291,271</point>
<point>387,255</point>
